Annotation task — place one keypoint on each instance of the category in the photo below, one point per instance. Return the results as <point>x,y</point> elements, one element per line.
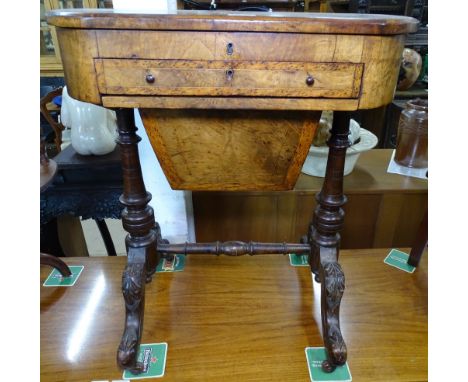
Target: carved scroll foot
<point>333,285</point>
<point>133,288</point>
<point>327,366</point>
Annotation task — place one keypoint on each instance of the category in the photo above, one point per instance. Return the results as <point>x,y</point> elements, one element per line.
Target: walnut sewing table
<point>231,101</point>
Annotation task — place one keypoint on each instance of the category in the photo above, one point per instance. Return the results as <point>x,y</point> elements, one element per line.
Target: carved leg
<point>333,286</point>
<point>138,221</point>
<point>56,263</point>
<point>133,288</point>
<point>324,240</point>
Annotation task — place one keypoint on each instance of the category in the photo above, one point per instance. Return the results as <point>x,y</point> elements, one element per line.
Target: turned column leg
<point>324,239</point>
<point>419,243</point>
<point>138,221</point>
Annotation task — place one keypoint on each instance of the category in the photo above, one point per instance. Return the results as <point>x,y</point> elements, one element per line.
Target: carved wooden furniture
<point>56,125</point>
<point>87,187</point>
<point>47,174</point>
<point>230,102</point>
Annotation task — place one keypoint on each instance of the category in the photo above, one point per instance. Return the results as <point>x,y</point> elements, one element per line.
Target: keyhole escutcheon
<point>229,74</point>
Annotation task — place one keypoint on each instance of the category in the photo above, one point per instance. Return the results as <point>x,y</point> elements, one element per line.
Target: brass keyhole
<point>229,74</point>
<point>229,48</point>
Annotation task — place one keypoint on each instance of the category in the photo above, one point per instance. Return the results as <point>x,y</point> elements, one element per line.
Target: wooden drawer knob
<point>310,80</point>
<point>150,78</point>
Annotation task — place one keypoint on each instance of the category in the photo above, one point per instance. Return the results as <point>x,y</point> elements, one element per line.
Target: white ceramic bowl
<point>316,161</point>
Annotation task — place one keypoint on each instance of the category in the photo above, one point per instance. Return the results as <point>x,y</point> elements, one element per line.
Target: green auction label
<point>153,359</point>
<point>399,259</point>
<point>315,357</point>
<point>56,279</point>
<point>298,260</point>
<point>174,264</point>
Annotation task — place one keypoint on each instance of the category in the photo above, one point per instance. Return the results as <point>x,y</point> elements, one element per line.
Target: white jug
<point>93,128</point>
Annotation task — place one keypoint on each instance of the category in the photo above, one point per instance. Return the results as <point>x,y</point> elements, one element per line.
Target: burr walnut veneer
<point>231,101</point>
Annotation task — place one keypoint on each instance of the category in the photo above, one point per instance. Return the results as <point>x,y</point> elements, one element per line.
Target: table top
<point>238,319</point>
<point>369,176</point>
<point>298,22</point>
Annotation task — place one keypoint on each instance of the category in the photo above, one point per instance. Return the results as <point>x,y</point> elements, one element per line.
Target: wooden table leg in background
<point>142,258</point>
<point>106,237</point>
<point>419,244</point>
<point>324,239</point>
<point>56,263</point>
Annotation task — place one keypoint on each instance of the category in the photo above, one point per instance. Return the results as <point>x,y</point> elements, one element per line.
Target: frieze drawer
<point>228,78</point>
<point>242,46</point>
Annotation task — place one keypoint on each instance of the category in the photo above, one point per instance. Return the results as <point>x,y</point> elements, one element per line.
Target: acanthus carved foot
<point>128,351</point>
<point>333,286</point>
<point>133,288</point>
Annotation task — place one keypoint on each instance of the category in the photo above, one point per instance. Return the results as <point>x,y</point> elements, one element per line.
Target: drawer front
<point>242,46</point>
<point>226,78</point>
<point>288,47</point>
<point>156,45</point>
